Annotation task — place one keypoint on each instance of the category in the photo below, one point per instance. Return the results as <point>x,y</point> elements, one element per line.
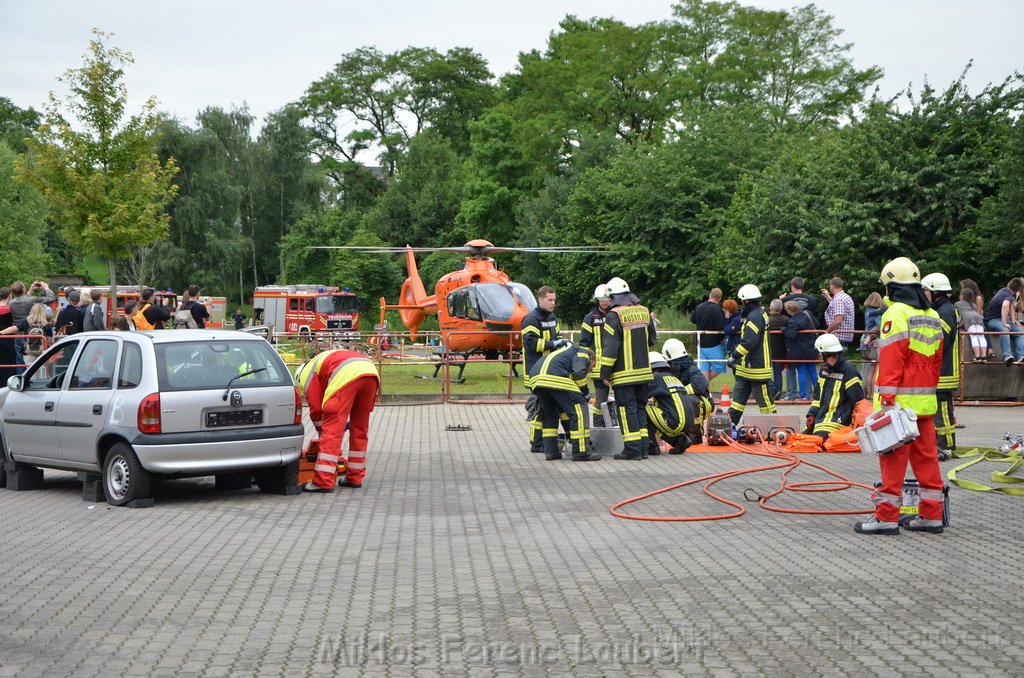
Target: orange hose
<point>787,460</point>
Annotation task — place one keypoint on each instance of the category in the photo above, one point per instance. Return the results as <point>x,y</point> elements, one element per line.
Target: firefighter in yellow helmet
<point>590,338</point>
<point>909,364</point>
<point>752,357</point>
<point>937,289</point>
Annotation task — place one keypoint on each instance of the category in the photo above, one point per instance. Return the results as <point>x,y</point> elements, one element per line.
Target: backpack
<point>141,323</point>
<point>35,343</point>
<point>183,318</point>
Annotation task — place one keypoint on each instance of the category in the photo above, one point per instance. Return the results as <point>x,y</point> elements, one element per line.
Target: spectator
<point>95,318</point>
<point>124,322</point>
<point>239,319</point>
<point>69,320</point>
<point>777,320</point>
<point>8,361</point>
<point>979,298</point>
<point>874,308</point>
<point>21,303</point>
<point>709,319</point>
<point>840,312</point>
<point>800,347</point>
<point>153,315</point>
<point>796,293</point>
<point>972,322</point>
<point>733,325</point>
<point>38,325</point>
<point>199,311</point>
<point>1000,316</point>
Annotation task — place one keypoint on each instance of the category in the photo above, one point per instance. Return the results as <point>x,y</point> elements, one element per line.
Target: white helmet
<point>601,292</point>
<point>936,282</point>
<point>828,343</point>
<point>656,359</point>
<point>617,286</point>
<point>673,348</point>
<point>749,292</point>
<point>900,270</point>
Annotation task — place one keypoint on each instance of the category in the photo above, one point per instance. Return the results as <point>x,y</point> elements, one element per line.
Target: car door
<point>83,406</point>
<point>29,414</point>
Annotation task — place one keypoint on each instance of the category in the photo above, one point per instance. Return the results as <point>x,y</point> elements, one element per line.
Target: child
<point>971,321</point>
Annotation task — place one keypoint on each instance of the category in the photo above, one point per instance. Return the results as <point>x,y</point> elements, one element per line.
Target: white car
<point>122,408</point>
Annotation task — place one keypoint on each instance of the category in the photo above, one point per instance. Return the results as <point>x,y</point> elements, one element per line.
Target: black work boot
<point>680,445</point>
<point>586,456</point>
<point>552,451</point>
<point>628,454</point>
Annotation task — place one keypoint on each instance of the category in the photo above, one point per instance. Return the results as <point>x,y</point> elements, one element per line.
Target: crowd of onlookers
<point>795,318</point>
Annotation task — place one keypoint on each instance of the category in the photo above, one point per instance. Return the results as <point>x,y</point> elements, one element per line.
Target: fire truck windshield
<point>337,303</point>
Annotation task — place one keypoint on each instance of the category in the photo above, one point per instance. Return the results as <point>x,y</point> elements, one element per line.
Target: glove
<point>888,401</point>
<point>733,359</point>
<point>558,343</point>
<point>809,424</point>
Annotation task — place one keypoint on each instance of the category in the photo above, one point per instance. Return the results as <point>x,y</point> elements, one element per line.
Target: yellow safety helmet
<point>900,270</point>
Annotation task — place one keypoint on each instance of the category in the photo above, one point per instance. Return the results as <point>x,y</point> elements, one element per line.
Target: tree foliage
<point>99,172</point>
<point>22,225</point>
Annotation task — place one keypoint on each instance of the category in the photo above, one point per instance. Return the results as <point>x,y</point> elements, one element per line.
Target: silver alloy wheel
<point>119,477</point>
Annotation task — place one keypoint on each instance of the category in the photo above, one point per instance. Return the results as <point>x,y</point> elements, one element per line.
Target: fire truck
<point>307,309</point>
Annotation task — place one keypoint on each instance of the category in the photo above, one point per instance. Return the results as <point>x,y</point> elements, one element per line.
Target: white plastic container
<point>885,430</point>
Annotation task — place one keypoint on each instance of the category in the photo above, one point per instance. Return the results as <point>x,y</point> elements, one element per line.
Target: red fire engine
<point>306,309</point>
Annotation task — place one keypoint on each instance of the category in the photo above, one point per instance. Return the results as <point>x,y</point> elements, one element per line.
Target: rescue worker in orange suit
<point>560,383</point>
<point>590,337</point>
<point>540,336</point>
<point>752,358</point>
<point>340,388</point>
<point>937,289</point>
<point>629,334</point>
<point>672,411</point>
<point>840,388</point>
<point>909,365</point>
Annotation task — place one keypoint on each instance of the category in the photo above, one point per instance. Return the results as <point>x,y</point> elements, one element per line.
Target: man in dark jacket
<point>69,320</point>
<point>672,411</point>
<point>800,347</point>
<point>752,357</point>
<point>840,386</point>
<point>152,312</point>
<point>590,337</point>
<point>709,319</point>
<point>629,333</point>
<point>540,337</point>
<point>937,289</point>
<point>560,382</point>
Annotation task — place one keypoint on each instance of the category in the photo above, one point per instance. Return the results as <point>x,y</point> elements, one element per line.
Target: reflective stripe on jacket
<point>950,317</point>
<point>564,369</point>
<point>590,337</point>
<point>909,358</point>
<point>628,336</point>
<point>755,353</point>
<point>539,330</point>
<point>840,388</point>
<point>329,372</point>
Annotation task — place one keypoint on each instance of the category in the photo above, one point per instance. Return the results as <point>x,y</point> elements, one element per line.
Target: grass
<point>96,271</point>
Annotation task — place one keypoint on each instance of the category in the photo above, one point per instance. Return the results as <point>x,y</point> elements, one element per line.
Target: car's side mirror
<point>14,382</point>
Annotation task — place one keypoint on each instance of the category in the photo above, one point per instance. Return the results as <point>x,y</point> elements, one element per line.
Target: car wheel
<point>124,479</point>
<point>281,480</point>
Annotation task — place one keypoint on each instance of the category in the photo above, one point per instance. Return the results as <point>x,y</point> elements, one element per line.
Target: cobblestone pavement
<point>466,555</point>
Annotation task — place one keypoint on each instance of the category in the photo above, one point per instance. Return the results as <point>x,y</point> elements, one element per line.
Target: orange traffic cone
<point>726,401</point>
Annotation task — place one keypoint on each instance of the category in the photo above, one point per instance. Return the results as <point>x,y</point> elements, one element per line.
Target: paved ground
<point>465,555</point>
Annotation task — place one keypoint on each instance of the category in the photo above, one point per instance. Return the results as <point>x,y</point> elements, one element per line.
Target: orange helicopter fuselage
<point>478,309</point>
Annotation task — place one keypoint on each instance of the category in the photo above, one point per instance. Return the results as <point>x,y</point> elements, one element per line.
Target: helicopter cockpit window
<point>497,302</point>
<point>457,303</point>
<point>526,297</point>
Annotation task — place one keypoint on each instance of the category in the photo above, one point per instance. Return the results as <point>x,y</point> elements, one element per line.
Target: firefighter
<point>590,337</point>
<point>671,411</point>
<point>340,388</point>
<point>559,381</point>
<point>937,289</point>
<point>540,337</point>
<point>693,380</point>
<point>752,358</point>
<point>840,388</point>
<point>629,333</point>
<point>909,365</point>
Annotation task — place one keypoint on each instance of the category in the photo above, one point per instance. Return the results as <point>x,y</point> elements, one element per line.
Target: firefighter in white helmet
<point>687,371</point>
<point>671,412</point>
<point>752,357</point>
<point>840,388</point>
<point>590,337</point>
<point>909,364</point>
<point>629,333</point>
<point>937,289</point>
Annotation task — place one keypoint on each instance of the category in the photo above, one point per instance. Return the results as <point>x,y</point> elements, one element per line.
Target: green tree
<point>103,182</point>
<point>22,225</point>
<point>16,124</point>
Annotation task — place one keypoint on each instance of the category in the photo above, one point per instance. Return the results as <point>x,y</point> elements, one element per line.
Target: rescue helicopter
<point>478,307</point>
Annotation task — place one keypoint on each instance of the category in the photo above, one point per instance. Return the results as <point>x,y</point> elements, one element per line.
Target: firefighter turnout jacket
<point>591,336</point>
<point>668,410</point>
<point>629,334</point>
<point>329,372</point>
<point>755,356</point>
<point>840,388</point>
<point>564,369</point>
<point>909,357</point>
<point>540,332</point>
<point>950,318</point>
<point>692,379</point>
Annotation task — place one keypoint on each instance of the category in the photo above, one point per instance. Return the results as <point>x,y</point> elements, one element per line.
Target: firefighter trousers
<point>631,401</point>
<point>923,458</point>
<point>945,423</point>
<point>553,405</point>
<point>351,405</point>
<point>600,397</point>
<point>668,422</point>
<point>742,391</point>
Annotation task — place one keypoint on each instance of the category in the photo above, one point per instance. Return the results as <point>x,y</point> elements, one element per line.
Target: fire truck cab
<point>307,309</point>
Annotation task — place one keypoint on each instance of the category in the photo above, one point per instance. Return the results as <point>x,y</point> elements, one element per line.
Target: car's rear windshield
<point>193,365</point>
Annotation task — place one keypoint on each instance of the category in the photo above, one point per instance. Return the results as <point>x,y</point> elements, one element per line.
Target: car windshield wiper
<point>227,389</point>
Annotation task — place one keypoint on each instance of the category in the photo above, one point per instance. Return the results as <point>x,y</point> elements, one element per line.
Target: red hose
<point>787,460</point>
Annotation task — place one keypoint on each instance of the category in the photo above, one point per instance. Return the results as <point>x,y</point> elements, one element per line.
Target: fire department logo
<point>236,398</point>
<point>886,327</point>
